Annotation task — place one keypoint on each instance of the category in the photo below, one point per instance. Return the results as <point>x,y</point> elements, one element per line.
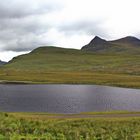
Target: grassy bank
<point>69,66</point>
<point>120,80</point>
<point>28,125</point>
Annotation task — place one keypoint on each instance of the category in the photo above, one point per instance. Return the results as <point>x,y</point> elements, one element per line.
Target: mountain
<point>127,44</point>
<point>129,41</point>
<point>97,44</point>
<point>2,63</point>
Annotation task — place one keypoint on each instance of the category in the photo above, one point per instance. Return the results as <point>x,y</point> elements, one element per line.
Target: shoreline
<point>5,82</point>
<point>109,114</point>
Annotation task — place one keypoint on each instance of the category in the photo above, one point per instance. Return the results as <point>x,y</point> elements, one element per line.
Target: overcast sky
<point>27,24</point>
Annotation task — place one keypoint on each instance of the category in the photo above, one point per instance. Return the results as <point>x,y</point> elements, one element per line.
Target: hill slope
<point>59,65</point>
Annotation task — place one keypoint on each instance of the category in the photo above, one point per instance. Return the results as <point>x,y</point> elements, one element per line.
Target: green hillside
<point>59,65</point>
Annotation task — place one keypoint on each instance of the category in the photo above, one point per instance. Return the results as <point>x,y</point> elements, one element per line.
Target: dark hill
<point>128,45</point>
<point>130,40</point>
<point>97,44</point>
<point>2,63</point>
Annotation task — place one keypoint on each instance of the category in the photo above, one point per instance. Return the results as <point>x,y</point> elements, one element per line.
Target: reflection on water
<point>67,98</point>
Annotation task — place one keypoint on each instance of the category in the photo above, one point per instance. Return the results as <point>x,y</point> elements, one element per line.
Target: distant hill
<point>129,40</point>
<point>2,63</point>
<point>124,45</point>
<point>118,65</point>
<point>46,58</point>
<point>97,44</point>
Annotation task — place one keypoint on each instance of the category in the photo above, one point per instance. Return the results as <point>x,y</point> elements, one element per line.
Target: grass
<point>70,66</point>
<point>21,126</point>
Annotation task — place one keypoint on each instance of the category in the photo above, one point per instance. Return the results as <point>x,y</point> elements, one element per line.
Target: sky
<point>28,24</point>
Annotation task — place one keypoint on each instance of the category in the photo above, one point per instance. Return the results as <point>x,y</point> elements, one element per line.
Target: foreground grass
<point>69,66</point>
<point>31,126</point>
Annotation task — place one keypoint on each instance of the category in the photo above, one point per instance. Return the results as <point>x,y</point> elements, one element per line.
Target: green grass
<point>70,66</point>
<point>20,126</point>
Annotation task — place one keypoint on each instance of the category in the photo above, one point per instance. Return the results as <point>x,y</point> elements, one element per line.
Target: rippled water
<point>67,98</point>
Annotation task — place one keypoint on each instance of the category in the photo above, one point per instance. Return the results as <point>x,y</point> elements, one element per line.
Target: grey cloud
<point>23,8</point>
<point>21,25</point>
<point>20,41</point>
<point>89,27</point>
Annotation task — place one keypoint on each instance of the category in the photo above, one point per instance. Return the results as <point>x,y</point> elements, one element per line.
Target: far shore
<point>67,83</point>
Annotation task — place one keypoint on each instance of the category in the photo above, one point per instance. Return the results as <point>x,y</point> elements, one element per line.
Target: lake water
<point>67,98</point>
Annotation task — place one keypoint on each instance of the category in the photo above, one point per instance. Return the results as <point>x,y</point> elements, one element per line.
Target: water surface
<point>67,98</point>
